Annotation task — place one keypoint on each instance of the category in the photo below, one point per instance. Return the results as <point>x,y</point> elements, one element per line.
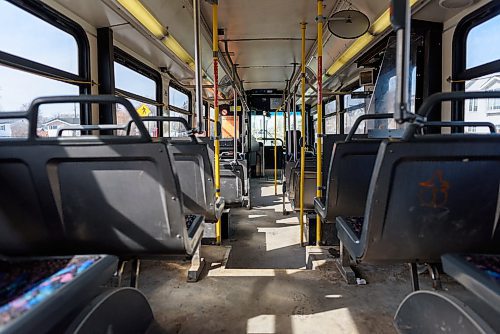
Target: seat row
<point>131,197</point>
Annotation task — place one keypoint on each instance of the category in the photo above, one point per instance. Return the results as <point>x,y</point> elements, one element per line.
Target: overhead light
<point>170,42</point>
<point>151,23</point>
<point>381,24</point>
<point>355,48</point>
<point>137,9</point>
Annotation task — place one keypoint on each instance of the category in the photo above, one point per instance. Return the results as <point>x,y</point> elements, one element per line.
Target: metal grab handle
<point>365,118</point>
<point>35,106</point>
<point>272,139</point>
<point>163,119</point>
<point>434,99</point>
<point>320,207</point>
<point>91,127</point>
<point>488,125</point>
<point>431,101</point>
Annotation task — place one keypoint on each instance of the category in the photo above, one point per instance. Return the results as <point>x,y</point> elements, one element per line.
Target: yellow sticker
<point>238,108</point>
<point>143,110</point>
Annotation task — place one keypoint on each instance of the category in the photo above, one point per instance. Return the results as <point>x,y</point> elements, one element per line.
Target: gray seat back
<point>431,196</point>
<point>85,195</point>
<point>195,174</point>
<point>349,176</point>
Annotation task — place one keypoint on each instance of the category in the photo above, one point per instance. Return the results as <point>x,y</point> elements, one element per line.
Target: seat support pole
<point>414,276</point>
<point>134,273</point>
<point>344,265</point>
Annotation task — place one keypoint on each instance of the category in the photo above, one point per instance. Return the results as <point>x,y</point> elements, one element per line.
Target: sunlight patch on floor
<point>289,221</point>
<point>336,321</point>
<point>281,237</point>
<point>223,272</point>
<point>256,216</point>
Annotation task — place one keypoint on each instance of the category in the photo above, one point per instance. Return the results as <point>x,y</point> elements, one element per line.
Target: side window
<point>482,43</point>
<point>331,117</point>
<point>477,65</point>
<point>141,85</point>
<point>179,104</point>
<point>178,99</point>
<point>353,108</point>
<point>41,54</point>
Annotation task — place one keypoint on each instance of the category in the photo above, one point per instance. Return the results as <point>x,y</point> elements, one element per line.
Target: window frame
<point>181,89</point>
<point>63,23</point>
<point>342,105</point>
<point>123,58</point>
<point>331,115</point>
<point>460,73</point>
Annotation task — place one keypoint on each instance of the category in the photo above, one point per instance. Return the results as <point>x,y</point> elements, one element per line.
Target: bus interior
<point>233,166</point>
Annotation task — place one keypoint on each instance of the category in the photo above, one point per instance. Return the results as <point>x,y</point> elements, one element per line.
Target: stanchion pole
<point>303,146</point>
<point>319,136</point>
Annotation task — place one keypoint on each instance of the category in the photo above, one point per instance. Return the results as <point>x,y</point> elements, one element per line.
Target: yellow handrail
<point>319,136</point>
<point>215,49</point>
<point>275,153</point>
<point>303,130</point>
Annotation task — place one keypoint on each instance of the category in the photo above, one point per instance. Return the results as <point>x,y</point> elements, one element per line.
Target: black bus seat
<point>329,141</point>
<point>41,294</point>
<point>233,175</point>
<point>194,171</point>
<point>478,273</point>
<point>310,165</point>
<point>348,174</point>
<point>232,181</point>
<point>424,190</point>
<point>309,190</point>
<point>428,311</point>
<point>429,195</point>
<point>88,195</point>
<point>474,311</point>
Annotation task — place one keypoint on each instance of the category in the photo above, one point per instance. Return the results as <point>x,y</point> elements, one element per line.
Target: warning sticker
<point>143,110</point>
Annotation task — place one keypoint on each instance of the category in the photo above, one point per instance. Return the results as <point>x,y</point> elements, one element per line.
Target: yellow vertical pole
<point>215,49</point>
<point>303,134</point>
<point>275,153</point>
<point>319,136</point>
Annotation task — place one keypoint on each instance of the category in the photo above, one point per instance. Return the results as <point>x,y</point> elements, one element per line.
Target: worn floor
<point>263,287</point>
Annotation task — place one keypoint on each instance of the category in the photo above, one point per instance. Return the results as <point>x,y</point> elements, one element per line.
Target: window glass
<point>123,117</point>
<point>353,108</point>
<point>14,128</point>
<point>177,129</point>
<point>263,126</point>
<point>331,124</point>
<point>131,81</point>
<point>54,117</point>
<point>483,44</point>
<point>29,37</point>
<point>211,122</point>
<point>483,110</point>
<point>330,107</point>
<point>177,98</point>
<point>17,91</point>
<point>228,126</point>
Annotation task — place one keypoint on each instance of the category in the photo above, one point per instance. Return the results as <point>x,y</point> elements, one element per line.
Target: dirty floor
<point>263,286</point>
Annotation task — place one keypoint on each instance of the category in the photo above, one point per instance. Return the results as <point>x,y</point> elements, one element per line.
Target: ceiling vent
<point>455,4</point>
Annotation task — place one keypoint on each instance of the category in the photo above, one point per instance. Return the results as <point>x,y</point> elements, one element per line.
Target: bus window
<point>331,117</point>
<point>40,65</point>
<point>480,41</point>
<point>263,126</point>
<point>139,84</point>
<point>20,36</point>
<point>179,106</point>
<point>353,108</point>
